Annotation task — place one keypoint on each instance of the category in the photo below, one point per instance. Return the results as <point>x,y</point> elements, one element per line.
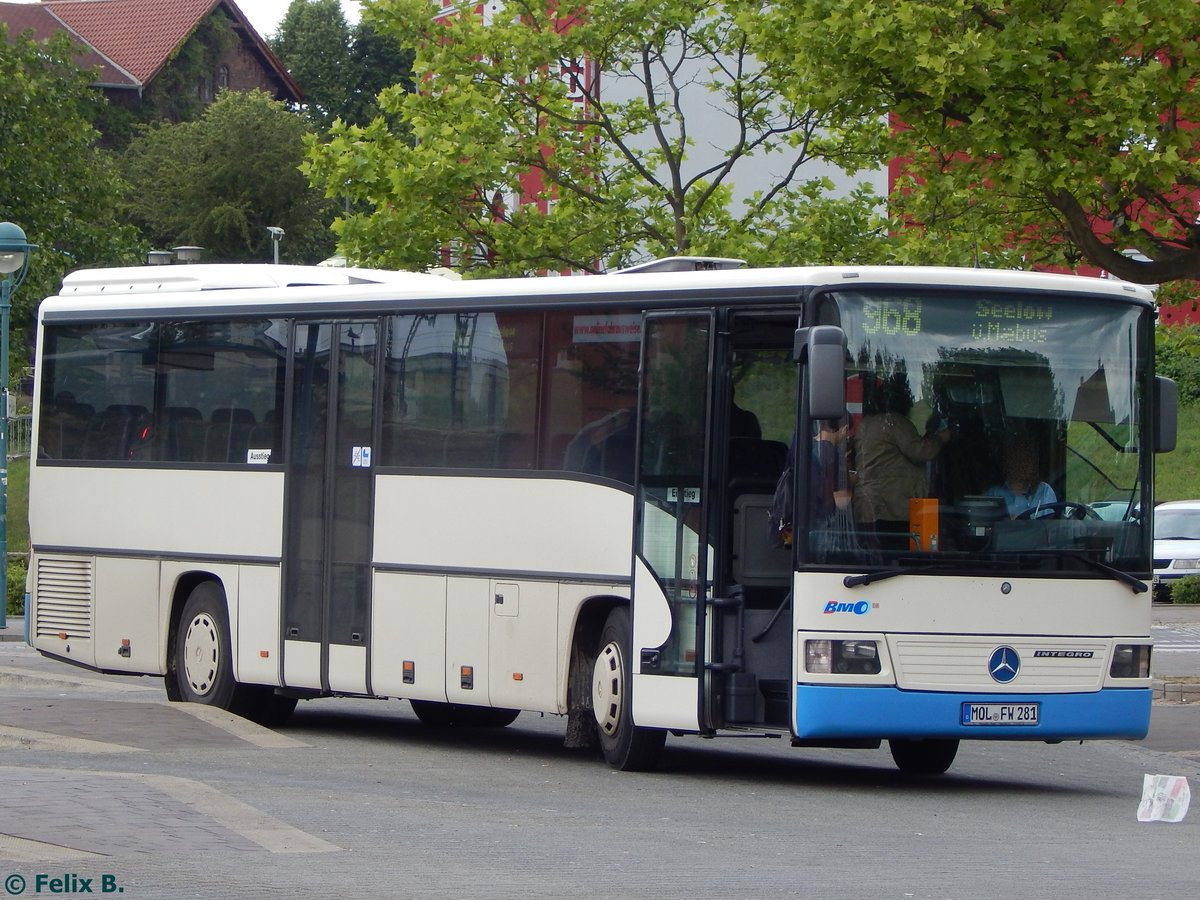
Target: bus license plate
<point>1001,713</point>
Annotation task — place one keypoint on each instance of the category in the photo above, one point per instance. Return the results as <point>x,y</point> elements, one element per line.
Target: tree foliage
<point>54,183</point>
<point>379,61</point>
<point>313,42</point>
<point>655,162</point>
<point>340,69</point>
<point>220,181</point>
<point>1177,356</point>
<point>1058,130</point>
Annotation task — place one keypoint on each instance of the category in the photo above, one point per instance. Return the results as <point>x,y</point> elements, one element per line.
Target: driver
<point>1022,489</point>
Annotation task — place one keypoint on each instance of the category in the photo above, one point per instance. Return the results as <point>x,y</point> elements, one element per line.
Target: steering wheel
<point>1064,509</point>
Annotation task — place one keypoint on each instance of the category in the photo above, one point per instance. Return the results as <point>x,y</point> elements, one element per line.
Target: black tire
<point>625,746</point>
<point>207,677</point>
<point>923,757</point>
<point>458,715</point>
<point>202,657</point>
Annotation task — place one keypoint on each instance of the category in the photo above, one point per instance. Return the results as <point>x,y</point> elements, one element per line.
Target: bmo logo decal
<point>861,608</point>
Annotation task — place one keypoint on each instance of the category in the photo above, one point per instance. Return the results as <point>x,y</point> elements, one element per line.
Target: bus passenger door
<point>672,565</point>
<point>330,501</point>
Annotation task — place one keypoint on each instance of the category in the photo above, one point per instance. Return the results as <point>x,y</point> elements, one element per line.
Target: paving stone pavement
<point>77,799</point>
<point>52,813</point>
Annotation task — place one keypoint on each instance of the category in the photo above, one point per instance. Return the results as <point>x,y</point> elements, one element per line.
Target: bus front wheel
<point>625,745</point>
<point>923,757</point>
<point>201,668</point>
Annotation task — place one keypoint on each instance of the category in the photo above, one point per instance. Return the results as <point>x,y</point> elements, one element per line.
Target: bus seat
<point>232,416</point>
<point>266,436</point>
<point>613,457</point>
<point>227,442</point>
<point>515,451</point>
<point>556,452</point>
<point>413,445</point>
<point>118,432</point>
<point>63,429</point>
<point>180,434</point>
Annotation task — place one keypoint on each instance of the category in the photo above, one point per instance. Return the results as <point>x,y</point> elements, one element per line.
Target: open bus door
<point>672,560</point>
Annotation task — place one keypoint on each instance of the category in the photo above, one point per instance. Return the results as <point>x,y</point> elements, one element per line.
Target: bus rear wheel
<point>923,757</point>
<point>625,745</point>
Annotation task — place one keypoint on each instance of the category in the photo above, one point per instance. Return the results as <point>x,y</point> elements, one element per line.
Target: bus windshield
<point>986,431</point>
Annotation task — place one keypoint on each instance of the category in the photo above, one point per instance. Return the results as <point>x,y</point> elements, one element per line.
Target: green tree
<point>1051,130</point>
<point>657,164</point>
<point>219,182</point>
<point>54,182</point>
<point>313,41</point>
<point>378,61</point>
<point>341,69</point>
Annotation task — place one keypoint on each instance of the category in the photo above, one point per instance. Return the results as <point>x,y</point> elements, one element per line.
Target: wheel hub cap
<point>201,654</point>
<point>608,689</point>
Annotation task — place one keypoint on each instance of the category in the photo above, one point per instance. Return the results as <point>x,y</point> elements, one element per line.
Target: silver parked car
<point>1176,544</point>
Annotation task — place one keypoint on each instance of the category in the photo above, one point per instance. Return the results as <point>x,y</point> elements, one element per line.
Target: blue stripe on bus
<point>846,712</point>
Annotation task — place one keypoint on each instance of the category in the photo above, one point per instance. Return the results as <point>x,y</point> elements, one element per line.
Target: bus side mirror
<point>1166,414</point>
<point>823,348</point>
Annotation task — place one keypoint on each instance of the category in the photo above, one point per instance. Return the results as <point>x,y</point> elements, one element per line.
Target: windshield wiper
<point>1136,585</point>
<point>871,577</point>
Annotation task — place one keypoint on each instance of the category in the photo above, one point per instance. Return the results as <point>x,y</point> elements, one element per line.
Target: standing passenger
<point>891,457</point>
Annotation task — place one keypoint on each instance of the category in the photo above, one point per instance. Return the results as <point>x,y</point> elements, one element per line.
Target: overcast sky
<point>265,15</point>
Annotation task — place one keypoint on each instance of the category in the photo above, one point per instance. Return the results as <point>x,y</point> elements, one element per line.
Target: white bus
<point>553,494</point>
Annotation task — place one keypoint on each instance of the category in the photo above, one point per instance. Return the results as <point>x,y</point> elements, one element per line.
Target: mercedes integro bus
<point>691,498</point>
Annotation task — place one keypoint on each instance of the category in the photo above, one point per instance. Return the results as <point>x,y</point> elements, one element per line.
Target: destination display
<point>1009,322</point>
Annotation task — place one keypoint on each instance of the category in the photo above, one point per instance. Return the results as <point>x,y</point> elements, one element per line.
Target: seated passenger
<point>1022,490</point>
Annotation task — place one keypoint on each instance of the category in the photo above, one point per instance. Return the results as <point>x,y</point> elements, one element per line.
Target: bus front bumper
<point>827,712</point>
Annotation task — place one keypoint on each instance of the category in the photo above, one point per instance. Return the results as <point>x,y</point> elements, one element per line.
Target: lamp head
<point>14,249</point>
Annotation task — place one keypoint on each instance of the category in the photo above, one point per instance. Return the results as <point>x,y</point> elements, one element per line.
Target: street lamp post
<point>276,236</point>
<point>14,264</point>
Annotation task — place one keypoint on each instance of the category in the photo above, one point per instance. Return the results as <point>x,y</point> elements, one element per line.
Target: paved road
<point>101,778</point>
<point>1176,633</point>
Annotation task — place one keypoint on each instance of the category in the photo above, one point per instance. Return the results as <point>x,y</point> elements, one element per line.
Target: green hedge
<point>1186,590</point>
<point>15,605</point>
<point>1177,356</point>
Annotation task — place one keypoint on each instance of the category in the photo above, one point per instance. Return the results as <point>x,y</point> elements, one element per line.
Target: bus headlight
<point>1130,661</point>
<point>851,657</point>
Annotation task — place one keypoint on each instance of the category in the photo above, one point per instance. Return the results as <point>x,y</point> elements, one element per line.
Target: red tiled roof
<point>37,19</point>
<point>22,17</point>
<point>137,35</point>
<point>133,39</point>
